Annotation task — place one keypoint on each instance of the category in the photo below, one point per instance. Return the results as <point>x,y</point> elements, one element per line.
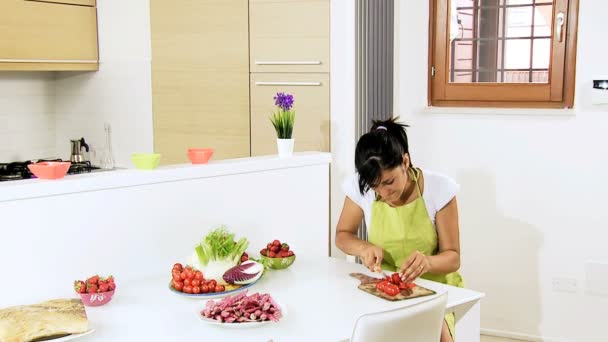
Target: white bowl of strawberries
<point>95,291</point>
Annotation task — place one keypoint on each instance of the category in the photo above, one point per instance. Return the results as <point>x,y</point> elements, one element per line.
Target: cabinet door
<point>200,72</point>
<point>41,32</point>
<point>289,35</point>
<point>311,103</point>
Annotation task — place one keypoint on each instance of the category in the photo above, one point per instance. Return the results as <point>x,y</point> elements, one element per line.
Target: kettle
<point>76,155</point>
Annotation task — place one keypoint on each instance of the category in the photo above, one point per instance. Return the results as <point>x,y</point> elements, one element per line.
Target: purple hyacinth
<point>283,101</point>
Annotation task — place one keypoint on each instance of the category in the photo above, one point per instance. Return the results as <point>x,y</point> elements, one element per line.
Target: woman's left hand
<point>414,266</point>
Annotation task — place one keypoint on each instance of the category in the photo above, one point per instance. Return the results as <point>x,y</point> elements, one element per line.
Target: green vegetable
<point>218,252</point>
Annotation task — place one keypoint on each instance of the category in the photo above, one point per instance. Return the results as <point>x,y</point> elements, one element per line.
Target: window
<point>502,53</point>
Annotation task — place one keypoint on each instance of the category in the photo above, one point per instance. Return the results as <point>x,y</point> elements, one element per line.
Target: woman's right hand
<point>372,256</point>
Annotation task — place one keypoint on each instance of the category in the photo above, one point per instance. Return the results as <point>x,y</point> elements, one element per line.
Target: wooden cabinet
<point>289,35</point>
<point>40,35</point>
<point>200,78</point>
<point>311,94</point>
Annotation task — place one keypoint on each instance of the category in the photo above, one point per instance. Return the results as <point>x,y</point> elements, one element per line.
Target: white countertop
<point>322,300</point>
<point>34,188</point>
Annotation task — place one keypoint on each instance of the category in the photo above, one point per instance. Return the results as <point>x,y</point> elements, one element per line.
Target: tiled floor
<point>496,339</point>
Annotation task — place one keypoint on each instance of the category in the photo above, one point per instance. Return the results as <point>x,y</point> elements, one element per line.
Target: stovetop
<point>19,170</point>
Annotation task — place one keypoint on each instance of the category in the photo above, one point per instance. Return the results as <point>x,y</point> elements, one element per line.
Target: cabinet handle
<point>315,84</point>
<point>287,62</point>
<point>559,26</point>
<point>9,60</point>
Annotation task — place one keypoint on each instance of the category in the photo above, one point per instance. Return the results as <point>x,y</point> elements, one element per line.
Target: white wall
<point>27,123</point>
<point>342,104</point>
<point>534,187</point>
<point>119,93</point>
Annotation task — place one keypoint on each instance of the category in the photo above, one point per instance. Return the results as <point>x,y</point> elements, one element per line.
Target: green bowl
<point>145,161</point>
<point>278,263</point>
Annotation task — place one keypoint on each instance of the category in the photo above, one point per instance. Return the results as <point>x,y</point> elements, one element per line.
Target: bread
<point>54,318</point>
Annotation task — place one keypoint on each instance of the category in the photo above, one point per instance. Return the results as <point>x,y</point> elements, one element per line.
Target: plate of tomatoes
<point>191,283</point>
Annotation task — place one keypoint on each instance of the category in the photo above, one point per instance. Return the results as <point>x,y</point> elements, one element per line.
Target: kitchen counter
<point>133,223</point>
<point>35,188</point>
<point>322,302</point>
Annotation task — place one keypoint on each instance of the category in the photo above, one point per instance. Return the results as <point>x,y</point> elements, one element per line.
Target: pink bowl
<point>50,170</point>
<point>96,299</point>
<point>200,155</point>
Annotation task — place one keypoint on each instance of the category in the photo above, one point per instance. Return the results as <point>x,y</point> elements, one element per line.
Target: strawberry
<point>80,286</point>
<point>283,254</point>
<point>275,249</point>
<point>93,280</point>
<point>111,286</point>
<point>244,258</point>
<point>272,254</point>
<point>276,243</point>
<point>92,288</point>
<point>269,246</point>
<point>264,252</point>
<point>104,288</point>
<point>284,247</point>
<point>290,253</point>
<point>110,279</point>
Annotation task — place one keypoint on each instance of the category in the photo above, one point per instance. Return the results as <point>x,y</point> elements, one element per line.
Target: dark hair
<point>382,148</point>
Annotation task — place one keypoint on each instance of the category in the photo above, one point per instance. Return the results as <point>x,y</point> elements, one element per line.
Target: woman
<point>411,215</point>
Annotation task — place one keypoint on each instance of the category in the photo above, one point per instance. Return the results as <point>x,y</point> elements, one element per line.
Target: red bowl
<point>49,170</point>
<point>200,155</point>
<point>96,299</point>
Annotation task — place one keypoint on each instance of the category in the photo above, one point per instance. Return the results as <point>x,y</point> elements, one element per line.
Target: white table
<point>322,301</point>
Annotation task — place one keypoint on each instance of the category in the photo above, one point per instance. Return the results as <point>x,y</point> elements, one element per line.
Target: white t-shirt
<point>438,191</point>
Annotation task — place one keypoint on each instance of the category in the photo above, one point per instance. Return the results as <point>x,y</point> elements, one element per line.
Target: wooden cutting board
<point>368,284</point>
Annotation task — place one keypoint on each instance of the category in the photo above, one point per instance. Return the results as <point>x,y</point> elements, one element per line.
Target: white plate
<point>71,337</point>
<point>212,295</point>
<point>245,325</point>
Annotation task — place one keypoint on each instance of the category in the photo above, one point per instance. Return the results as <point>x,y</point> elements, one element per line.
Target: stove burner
<point>19,170</point>
<point>10,177</point>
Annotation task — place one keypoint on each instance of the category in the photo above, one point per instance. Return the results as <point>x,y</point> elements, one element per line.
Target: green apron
<point>402,230</point>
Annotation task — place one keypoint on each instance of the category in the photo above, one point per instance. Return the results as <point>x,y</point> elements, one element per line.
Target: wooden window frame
<point>558,93</point>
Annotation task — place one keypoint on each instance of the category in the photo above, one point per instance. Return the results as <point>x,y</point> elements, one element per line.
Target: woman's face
<point>393,182</point>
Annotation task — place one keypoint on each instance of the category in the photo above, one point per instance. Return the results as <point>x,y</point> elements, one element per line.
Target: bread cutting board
<point>368,284</point>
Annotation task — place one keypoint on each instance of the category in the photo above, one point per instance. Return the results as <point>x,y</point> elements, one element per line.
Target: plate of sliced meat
<point>242,311</point>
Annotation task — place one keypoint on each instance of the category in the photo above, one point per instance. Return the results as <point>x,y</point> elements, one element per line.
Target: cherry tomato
<point>211,288</point>
<point>198,275</point>
<point>178,266</point>
<point>188,289</point>
<point>391,289</point>
<point>212,282</point>
<point>220,288</point>
<point>177,277</point>
<point>382,285</point>
<point>395,278</point>
<point>195,282</point>
<point>187,282</point>
<point>196,289</point>
<point>178,285</point>
<point>183,275</point>
<point>189,274</point>
<point>204,289</point>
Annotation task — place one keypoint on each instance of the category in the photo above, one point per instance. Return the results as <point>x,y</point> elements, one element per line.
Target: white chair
<point>421,322</point>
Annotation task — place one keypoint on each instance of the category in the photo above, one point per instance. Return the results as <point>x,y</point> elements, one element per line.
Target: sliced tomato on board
<point>391,289</point>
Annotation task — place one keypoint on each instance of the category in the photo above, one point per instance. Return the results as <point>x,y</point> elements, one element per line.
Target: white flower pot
<point>285,147</point>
